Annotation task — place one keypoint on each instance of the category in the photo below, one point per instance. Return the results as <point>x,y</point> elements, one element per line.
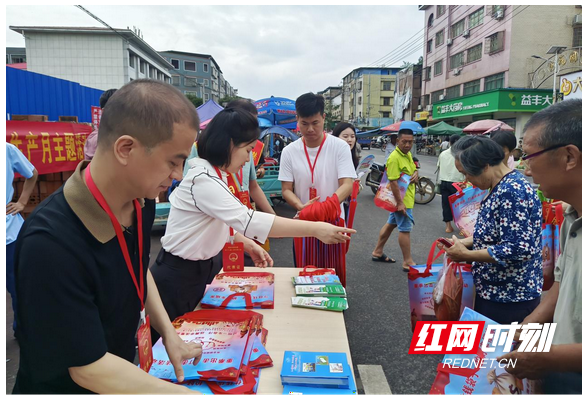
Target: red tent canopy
<point>392,128</point>
<point>485,126</point>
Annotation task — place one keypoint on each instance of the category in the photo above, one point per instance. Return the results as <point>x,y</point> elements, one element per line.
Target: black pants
<point>447,190</point>
<point>181,283</point>
<point>505,313</point>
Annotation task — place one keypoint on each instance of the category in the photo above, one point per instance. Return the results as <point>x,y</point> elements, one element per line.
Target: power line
<point>418,41</point>
<point>378,61</point>
<point>399,48</point>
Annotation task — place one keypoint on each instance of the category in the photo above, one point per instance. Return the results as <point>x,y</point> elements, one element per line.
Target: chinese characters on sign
<point>50,146</point>
<point>96,116</point>
<point>535,100</point>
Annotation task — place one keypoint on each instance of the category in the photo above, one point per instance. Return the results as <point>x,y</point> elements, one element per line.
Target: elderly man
<point>553,157</point>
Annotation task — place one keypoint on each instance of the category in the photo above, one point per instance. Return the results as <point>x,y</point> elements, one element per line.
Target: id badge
<point>244,197</point>
<point>233,257</point>
<point>144,345</point>
<point>312,193</point>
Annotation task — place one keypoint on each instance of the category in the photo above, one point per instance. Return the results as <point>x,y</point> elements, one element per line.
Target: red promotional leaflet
<point>240,290</point>
<point>224,336</point>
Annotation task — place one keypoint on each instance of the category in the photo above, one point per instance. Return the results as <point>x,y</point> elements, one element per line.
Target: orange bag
<point>449,308</point>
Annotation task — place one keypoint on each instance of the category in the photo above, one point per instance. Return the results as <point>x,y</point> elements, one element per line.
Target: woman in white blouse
<point>203,210</point>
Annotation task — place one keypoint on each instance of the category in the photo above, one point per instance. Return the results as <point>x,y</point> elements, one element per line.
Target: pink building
<point>470,51</point>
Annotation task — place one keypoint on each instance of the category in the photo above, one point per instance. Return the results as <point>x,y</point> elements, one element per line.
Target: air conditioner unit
<point>449,42</point>
<point>429,108</point>
<point>466,33</point>
<point>419,107</point>
<point>577,19</point>
<point>456,71</point>
<point>442,97</point>
<point>499,14</point>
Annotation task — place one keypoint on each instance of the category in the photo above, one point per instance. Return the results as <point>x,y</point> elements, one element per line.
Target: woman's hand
<point>457,252</point>
<point>260,257</point>
<point>331,234</point>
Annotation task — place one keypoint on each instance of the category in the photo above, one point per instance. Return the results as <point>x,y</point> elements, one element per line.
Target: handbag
<point>385,198</point>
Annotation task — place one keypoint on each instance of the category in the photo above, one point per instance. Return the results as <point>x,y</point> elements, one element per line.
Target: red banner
<point>50,146</point>
<point>96,116</point>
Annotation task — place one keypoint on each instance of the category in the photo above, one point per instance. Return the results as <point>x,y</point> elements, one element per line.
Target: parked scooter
<point>424,189</point>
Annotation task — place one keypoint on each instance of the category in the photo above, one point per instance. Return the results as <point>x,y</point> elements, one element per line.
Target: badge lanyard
<point>233,253</point>
<point>312,191</point>
<point>143,334</point>
<point>241,194</point>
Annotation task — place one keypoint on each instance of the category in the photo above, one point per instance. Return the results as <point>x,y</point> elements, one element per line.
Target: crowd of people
<point>80,277</point>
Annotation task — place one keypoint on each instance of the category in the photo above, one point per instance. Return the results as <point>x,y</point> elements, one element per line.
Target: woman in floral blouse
<point>505,249</point>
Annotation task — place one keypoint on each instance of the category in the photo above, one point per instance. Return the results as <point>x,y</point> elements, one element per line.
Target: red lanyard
<point>218,172</point>
<point>119,234</point>
<point>317,156</point>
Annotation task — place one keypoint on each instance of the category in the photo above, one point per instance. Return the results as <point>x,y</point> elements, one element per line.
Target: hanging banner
<point>50,146</point>
<point>96,116</point>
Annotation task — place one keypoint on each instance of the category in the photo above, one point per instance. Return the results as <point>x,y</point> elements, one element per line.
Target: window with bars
<point>386,101</point>
<point>386,85</point>
<point>452,92</point>
<point>189,66</point>
<point>190,82</point>
<point>430,45</point>
<point>474,53</point>
<point>438,67</point>
<point>476,18</point>
<point>457,28</point>
<point>494,43</point>
<point>436,96</point>
<point>440,38</point>
<point>385,114</point>
<point>471,87</point>
<point>440,10</point>
<point>494,81</point>
<point>456,60</point>
<point>176,80</point>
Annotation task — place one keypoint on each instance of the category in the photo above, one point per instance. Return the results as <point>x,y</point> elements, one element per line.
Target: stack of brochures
<point>317,373</point>
<point>233,351</point>
<point>323,292</point>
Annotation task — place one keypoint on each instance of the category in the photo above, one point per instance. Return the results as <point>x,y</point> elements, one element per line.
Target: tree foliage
<point>197,101</point>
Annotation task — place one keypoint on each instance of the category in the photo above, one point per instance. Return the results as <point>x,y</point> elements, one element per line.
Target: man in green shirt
<point>400,161</point>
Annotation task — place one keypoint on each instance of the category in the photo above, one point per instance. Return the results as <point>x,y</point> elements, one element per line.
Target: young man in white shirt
<point>318,165</point>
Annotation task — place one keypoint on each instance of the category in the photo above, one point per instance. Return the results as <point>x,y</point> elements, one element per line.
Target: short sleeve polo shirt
<point>77,300</point>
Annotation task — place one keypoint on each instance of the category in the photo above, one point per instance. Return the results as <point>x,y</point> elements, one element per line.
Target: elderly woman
<point>505,249</point>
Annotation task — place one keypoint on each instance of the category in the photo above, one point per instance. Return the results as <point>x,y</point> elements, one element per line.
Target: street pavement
<point>378,320</point>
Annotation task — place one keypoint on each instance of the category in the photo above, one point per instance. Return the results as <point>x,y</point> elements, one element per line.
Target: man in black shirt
<point>79,308</point>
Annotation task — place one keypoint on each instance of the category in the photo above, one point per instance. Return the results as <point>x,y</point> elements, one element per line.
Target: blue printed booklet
<point>303,368</point>
<point>297,390</point>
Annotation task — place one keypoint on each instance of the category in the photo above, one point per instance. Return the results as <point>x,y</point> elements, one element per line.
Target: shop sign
<point>505,100</point>
<point>571,86</point>
<point>421,115</point>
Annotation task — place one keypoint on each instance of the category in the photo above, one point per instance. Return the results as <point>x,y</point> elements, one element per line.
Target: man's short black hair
<point>453,139</point>
<point>230,125</point>
<point>406,132</point>
<point>244,105</point>
<point>310,104</point>
<point>504,139</point>
<point>105,96</point>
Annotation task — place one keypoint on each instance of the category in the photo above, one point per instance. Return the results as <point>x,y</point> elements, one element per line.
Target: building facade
<point>407,94</point>
<point>99,58</point>
<point>471,50</point>
<point>367,96</point>
<point>16,55</point>
<point>332,96</point>
<point>198,75</point>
